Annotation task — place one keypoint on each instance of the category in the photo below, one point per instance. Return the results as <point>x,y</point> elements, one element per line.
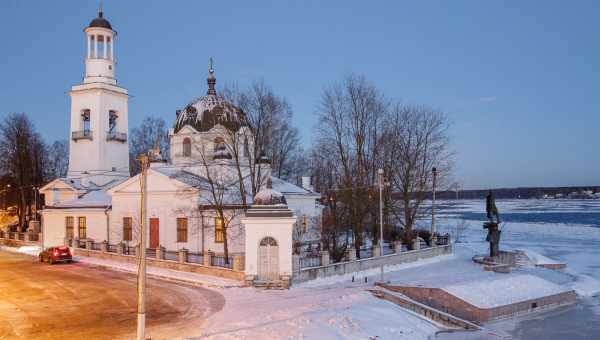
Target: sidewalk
<point>162,273</point>
<point>152,272</point>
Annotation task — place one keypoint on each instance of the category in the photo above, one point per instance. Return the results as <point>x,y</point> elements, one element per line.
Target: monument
<point>493,236</point>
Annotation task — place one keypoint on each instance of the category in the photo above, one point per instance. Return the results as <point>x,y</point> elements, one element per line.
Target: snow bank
<point>27,250</point>
<point>539,259</point>
<point>504,290</point>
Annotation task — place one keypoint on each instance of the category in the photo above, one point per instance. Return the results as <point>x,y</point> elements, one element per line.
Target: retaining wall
<point>446,302</point>
<point>183,267</point>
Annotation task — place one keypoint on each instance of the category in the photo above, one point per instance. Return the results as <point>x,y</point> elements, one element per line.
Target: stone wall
<point>446,302</point>
<point>226,273</point>
<point>348,267</point>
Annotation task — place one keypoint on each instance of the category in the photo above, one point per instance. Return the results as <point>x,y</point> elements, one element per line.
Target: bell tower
<point>98,151</point>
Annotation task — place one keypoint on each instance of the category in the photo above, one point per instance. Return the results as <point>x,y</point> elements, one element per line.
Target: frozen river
<point>564,230</point>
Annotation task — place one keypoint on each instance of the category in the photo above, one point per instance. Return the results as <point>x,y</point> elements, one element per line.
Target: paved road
<point>77,301</point>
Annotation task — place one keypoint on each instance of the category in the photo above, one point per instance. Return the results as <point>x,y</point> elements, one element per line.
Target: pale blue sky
<point>520,80</point>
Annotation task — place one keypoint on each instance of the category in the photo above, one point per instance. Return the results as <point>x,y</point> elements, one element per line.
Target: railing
<point>195,258</point>
<point>111,248</point>
<point>310,261</point>
<point>171,255</point>
<point>85,134</point>
<point>219,261</point>
<point>116,136</point>
<point>129,250</point>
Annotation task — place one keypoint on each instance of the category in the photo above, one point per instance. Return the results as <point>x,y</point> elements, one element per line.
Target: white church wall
<point>54,225</point>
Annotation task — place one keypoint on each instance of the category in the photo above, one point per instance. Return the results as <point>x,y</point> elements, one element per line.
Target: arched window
<point>268,241</point>
<point>187,148</point>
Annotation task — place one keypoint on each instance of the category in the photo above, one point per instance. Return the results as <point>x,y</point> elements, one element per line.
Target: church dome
<point>269,196</point>
<point>100,22</point>
<point>205,112</point>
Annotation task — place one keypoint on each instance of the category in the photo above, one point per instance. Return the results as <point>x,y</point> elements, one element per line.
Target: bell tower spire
<point>211,80</point>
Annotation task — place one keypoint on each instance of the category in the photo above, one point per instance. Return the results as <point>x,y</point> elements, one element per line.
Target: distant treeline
<point>514,192</point>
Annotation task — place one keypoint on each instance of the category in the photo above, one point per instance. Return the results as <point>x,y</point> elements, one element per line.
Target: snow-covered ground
<point>335,308</point>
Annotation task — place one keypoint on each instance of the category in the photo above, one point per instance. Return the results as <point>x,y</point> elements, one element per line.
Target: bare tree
<point>416,140</point>
<point>144,138</point>
<point>270,133</point>
<point>350,122</point>
<point>58,159</point>
<point>24,159</point>
<point>220,188</point>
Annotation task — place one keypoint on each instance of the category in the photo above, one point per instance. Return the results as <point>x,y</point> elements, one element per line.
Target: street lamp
<point>433,238</point>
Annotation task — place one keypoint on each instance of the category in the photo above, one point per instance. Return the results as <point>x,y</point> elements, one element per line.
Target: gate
<point>268,260</point>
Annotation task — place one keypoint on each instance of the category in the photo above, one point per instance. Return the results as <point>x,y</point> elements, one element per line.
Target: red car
<point>57,254</point>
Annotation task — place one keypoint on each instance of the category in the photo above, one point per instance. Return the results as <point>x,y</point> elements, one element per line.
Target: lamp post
<point>141,279</point>
<point>380,180</point>
<point>433,238</point>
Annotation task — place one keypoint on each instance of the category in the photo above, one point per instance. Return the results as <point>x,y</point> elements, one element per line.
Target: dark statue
<point>493,236</point>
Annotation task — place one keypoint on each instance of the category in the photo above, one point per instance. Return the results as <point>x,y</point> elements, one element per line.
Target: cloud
<point>488,99</point>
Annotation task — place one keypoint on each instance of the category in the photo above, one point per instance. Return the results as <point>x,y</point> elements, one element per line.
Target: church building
<point>210,169</point>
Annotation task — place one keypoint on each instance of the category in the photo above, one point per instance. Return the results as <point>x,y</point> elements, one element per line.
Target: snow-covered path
<point>343,311</point>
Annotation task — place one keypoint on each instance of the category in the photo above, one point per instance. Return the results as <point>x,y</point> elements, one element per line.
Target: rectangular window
<point>127,229</point>
<point>82,228</point>
<point>219,233</point>
<point>304,223</point>
<point>69,222</point>
<point>182,229</point>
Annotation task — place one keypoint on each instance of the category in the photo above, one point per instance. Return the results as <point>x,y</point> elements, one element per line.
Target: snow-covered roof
<point>289,188</point>
<point>92,199</point>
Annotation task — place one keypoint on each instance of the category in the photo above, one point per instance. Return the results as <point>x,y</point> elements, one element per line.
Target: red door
<point>154,233</point>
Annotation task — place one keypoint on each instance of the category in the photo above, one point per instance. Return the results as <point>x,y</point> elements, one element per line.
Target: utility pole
<point>141,279</point>
<point>433,238</point>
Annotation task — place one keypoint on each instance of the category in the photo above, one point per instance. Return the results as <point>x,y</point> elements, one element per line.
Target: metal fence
<point>111,248</point>
<point>151,252</point>
<point>195,258</point>
<point>310,261</point>
<point>219,261</point>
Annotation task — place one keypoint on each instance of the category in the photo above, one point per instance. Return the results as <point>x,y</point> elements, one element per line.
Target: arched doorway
<point>268,260</point>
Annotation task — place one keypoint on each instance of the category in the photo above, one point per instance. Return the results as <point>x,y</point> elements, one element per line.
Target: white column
<point>89,45</point>
<point>95,46</point>
<point>112,46</point>
<point>104,37</point>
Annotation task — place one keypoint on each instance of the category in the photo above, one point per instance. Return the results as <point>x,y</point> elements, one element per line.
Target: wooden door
<point>268,260</point>
<point>154,241</point>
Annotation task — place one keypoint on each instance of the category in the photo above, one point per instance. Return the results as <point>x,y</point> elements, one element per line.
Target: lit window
<point>69,222</point>
<point>82,228</point>
<point>219,232</point>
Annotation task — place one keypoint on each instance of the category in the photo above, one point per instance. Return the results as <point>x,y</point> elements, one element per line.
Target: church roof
<point>205,112</point>
<point>100,21</point>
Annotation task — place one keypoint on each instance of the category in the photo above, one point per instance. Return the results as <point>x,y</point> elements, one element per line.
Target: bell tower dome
<point>99,152</point>
<point>100,60</point>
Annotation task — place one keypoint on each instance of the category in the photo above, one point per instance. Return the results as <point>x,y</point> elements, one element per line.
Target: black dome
<point>100,22</point>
